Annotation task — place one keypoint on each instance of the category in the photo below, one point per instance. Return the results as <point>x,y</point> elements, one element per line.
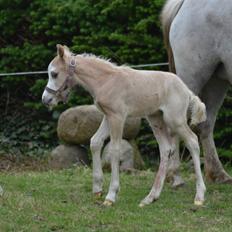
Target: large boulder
<point>130,157</point>
<point>78,124</point>
<point>138,160</point>
<point>65,156</point>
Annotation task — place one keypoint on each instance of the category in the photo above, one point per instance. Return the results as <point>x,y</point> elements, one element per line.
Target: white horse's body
<point>198,38</point>
<point>121,92</point>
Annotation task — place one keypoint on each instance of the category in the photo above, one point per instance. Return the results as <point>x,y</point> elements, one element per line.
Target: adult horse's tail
<point>168,14</point>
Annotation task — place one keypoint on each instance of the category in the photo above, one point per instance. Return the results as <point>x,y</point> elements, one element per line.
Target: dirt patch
<point>10,163</point>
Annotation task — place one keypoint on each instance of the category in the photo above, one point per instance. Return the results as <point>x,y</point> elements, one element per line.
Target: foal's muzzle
<point>46,101</point>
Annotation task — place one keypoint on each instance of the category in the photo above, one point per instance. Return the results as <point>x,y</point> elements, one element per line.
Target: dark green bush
<point>127,31</point>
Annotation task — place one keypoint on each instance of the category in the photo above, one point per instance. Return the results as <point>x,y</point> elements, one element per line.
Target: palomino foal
<point>120,92</point>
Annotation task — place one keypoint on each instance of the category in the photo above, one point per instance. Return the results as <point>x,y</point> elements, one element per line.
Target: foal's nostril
<point>46,101</point>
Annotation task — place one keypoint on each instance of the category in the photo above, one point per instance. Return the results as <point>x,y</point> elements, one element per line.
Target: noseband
<point>71,71</point>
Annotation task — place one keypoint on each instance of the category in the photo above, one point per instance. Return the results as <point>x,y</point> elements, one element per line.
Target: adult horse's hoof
<point>108,203</point>
<point>198,203</point>
<point>220,177</point>
<point>227,181</point>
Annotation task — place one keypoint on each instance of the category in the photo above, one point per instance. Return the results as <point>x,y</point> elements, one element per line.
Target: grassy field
<point>62,201</point>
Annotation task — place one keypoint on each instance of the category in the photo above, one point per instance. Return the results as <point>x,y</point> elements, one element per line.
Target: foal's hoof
<point>146,201</point>
<point>198,203</point>
<point>178,184</point>
<point>141,205</point>
<point>98,195</point>
<point>108,203</point>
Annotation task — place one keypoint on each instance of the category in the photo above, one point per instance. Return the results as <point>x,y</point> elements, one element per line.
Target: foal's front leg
<point>96,145</point>
<point>116,124</point>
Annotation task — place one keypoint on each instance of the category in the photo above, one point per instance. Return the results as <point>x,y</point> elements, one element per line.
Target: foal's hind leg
<point>191,142</point>
<point>167,148</point>
<point>96,145</point>
<point>173,174</point>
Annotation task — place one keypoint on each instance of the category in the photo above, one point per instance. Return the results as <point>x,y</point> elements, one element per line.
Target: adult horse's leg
<point>191,64</point>
<point>194,78</point>
<point>213,95</point>
<point>116,124</point>
<point>167,148</point>
<point>96,145</point>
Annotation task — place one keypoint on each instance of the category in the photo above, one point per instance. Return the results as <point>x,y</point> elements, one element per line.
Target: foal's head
<point>61,79</point>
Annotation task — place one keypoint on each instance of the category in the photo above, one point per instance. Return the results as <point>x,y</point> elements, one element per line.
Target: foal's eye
<point>54,74</point>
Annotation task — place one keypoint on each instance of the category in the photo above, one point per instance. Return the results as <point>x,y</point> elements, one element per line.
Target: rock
<point>130,157</point>
<point>126,157</point>
<point>65,156</point>
<point>138,160</point>
<point>78,124</point>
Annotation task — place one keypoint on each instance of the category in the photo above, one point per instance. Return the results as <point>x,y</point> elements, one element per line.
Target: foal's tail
<point>168,14</point>
<point>197,109</point>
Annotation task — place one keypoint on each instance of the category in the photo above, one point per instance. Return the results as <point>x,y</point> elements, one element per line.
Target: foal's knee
<point>95,144</point>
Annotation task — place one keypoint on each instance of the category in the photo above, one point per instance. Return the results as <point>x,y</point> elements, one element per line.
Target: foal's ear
<point>66,48</point>
<point>60,50</point>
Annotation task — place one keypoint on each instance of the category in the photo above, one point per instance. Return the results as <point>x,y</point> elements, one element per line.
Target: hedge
<point>127,31</point>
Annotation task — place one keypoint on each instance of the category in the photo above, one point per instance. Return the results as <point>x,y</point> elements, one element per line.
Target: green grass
<point>62,201</point>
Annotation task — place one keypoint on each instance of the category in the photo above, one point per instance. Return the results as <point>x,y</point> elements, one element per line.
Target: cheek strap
<point>68,82</point>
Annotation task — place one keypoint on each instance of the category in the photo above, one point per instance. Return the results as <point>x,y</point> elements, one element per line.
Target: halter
<point>71,71</point>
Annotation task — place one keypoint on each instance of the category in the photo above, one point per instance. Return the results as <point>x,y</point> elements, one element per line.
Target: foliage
<point>128,32</point>
<point>63,201</point>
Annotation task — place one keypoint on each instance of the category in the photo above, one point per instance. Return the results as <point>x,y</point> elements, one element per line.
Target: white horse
<point>197,34</point>
<point>120,92</point>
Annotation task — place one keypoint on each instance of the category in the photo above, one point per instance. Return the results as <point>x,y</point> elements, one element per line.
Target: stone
<point>138,160</point>
<point>66,156</point>
<point>78,124</point>
<point>130,157</point>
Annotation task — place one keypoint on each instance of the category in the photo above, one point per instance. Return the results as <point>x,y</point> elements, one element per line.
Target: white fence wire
<point>45,72</point>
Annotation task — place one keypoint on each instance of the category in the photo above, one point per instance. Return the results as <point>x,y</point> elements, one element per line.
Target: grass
<point>62,201</point>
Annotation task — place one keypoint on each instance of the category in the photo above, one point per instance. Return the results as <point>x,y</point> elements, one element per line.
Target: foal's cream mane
<point>103,62</point>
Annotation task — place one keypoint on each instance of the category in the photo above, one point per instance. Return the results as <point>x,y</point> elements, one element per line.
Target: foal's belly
<point>144,105</point>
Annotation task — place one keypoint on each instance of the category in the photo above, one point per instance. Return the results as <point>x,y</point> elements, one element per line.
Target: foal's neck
<point>92,73</point>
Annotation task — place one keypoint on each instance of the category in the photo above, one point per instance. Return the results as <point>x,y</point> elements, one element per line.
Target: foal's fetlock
<point>97,183</point>
<point>147,201</point>
<point>199,200</point>
<point>97,195</point>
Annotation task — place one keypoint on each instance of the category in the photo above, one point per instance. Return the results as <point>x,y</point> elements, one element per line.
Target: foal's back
<point>150,91</point>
